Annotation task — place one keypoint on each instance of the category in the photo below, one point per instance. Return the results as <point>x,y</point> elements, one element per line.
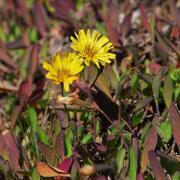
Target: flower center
<point>63,74</point>
<point>89,51</point>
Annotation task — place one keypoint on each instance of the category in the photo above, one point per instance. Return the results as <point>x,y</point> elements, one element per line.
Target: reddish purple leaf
<point>161,47</point>
<point>63,118</point>
<point>151,139</point>
<point>10,145</point>
<point>126,24</point>
<point>101,148</point>
<point>174,11</point>
<point>140,176</point>
<point>23,12</point>
<point>63,9</point>
<point>35,96</point>
<point>154,67</point>
<point>144,17</point>
<point>19,44</point>
<point>5,57</point>
<point>149,144</point>
<point>110,137</point>
<point>175,121</point>
<point>16,112</point>
<point>33,61</point>
<point>135,146</point>
<point>66,165</point>
<point>155,166</point>
<point>175,33</point>
<point>112,31</point>
<point>46,151</point>
<point>39,18</point>
<point>24,91</point>
<point>60,145</point>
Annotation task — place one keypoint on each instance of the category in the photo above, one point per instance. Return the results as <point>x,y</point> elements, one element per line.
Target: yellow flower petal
<point>92,47</point>
<point>66,86</point>
<point>63,69</point>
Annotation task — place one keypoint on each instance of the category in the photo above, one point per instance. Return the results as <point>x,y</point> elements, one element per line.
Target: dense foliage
<point>110,111</point>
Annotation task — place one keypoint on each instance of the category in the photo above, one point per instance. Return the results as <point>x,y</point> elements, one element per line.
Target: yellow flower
<point>63,69</point>
<point>93,47</point>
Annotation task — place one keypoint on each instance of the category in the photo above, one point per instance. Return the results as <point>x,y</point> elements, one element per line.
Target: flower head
<point>92,47</point>
<point>63,69</point>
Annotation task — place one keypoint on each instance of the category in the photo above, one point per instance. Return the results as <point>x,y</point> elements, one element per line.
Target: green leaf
<point>32,35</point>
<point>101,28</point>
<point>176,176</point>
<point>35,174</point>
<point>127,136</point>
<point>132,164</point>
<point>136,119</point>
<point>42,136</point>
<point>167,91</point>
<point>80,131</point>
<point>98,127</point>
<point>134,82</point>
<point>166,130</point>
<point>120,159</point>
<point>68,143</point>
<point>177,93</point>
<point>86,139</point>
<point>2,34</point>
<point>32,119</point>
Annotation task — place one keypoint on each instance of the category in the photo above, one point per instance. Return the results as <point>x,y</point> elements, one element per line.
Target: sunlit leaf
<point>86,139</point>
<point>132,164</point>
<point>32,118</point>
<point>120,159</point>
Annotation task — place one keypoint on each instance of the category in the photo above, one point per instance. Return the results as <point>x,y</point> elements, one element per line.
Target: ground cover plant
<point>89,89</point>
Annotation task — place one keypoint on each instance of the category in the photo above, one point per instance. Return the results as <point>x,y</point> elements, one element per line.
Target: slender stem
<point>98,74</point>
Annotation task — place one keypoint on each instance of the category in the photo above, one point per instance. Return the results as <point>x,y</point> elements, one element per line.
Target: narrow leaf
<point>167,91</point>
<point>170,163</point>
<point>175,121</point>
<point>86,139</point>
<point>132,164</point>
<point>155,166</point>
<point>32,119</point>
<point>120,159</point>
<point>149,144</point>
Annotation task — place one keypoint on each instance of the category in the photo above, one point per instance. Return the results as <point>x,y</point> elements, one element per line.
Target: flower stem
<point>98,74</point>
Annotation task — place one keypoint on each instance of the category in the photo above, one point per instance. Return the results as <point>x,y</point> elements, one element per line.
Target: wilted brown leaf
<point>46,171</point>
